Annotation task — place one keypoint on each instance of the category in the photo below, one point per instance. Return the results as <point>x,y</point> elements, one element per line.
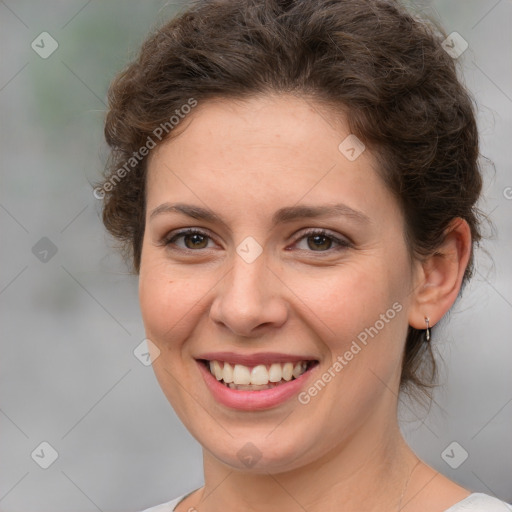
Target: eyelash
<point>342,244</point>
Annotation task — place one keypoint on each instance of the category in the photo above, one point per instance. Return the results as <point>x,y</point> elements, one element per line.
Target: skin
<point>343,450</point>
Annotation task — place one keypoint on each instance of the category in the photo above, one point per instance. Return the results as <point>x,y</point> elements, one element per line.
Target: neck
<point>367,472</point>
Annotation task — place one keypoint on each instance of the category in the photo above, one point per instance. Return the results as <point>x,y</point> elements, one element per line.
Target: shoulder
<point>169,506</point>
<point>476,502</point>
<point>479,502</point>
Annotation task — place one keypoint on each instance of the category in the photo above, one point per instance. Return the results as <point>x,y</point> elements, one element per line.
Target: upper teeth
<point>257,375</point>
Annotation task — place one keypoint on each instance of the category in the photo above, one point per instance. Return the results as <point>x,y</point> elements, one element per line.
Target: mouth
<point>259,377</point>
<point>262,382</point>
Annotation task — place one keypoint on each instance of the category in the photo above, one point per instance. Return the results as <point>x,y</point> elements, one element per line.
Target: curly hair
<point>373,60</point>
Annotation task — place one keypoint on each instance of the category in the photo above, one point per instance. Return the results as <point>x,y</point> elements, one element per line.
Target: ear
<point>439,276</point>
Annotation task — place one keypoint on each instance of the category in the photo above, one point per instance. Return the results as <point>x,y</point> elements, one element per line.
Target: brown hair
<point>372,59</point>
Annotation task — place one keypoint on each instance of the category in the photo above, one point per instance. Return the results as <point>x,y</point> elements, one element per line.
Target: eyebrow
<point>283,215</point>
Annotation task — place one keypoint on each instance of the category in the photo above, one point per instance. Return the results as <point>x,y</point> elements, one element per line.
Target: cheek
<point>358,315</point>
<point>167,299</point>
<point>348,299</point>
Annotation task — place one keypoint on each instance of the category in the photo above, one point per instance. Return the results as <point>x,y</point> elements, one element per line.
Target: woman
<point>295,183</point>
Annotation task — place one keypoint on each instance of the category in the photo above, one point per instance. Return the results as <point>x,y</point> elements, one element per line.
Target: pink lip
<point>254,359</point>
<point>252,400</point>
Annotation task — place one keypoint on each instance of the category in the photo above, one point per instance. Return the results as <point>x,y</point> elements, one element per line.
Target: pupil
<point>317,239</point>
<point>196,239</point>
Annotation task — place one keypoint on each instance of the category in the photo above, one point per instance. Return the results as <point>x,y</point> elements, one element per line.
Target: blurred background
<point>84,425</point>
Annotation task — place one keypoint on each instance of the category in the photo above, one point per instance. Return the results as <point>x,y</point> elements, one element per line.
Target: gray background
<point>69,325</point>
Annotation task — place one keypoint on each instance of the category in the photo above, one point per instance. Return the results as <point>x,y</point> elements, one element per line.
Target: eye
<point>192,238</point>
<point>317,240</point>
<point>320,240</point>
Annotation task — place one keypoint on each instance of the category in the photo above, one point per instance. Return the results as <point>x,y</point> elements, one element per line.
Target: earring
<point>427,332</point>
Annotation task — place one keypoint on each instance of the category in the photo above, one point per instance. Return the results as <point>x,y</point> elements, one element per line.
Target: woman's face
<point>260,286</point>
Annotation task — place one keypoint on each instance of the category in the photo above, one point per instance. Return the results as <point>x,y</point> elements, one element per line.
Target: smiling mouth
<point>258,377</point>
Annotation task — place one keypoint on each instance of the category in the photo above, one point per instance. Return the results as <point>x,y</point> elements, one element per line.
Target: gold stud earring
<point>427,332</point>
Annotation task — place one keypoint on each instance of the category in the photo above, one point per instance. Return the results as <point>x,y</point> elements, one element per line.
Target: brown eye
<point>193,239</point>
<point>323,241</point>
<point>319,242</point>
<point>197,241</point>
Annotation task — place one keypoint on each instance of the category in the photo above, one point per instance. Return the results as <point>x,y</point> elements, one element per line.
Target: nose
<point>250,299</point>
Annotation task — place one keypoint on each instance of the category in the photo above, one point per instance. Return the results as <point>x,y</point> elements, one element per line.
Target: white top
<point>476,502</point>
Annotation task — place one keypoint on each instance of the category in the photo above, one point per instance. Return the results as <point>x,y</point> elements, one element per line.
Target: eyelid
<point>341,241</point>
<point>166,239</point>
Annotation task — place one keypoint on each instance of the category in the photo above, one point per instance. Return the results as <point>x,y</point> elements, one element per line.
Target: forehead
<point>275,123</point>
<point>261,151</point>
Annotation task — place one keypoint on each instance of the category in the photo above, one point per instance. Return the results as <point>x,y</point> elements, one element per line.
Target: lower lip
<point>252,400</point>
